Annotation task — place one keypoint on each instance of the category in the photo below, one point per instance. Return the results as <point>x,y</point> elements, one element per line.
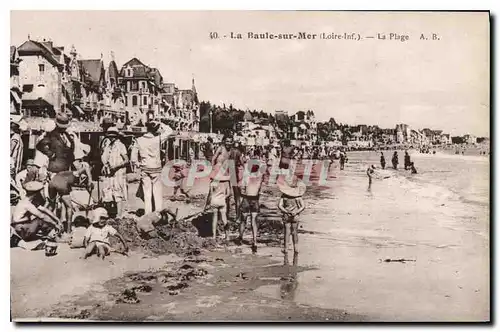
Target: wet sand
<point>347,233</point>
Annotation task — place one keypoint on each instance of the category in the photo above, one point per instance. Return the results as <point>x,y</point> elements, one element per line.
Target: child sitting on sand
<point>98,235</point>
<point>291,205</point>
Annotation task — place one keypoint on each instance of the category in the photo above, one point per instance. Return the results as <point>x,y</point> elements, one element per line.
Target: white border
<point>199,5</point>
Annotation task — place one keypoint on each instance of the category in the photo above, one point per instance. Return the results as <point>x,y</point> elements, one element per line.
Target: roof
<point>139,69</point>
<point>134,62</point>
<point>93,68</point>
<point>156,75</point>
<point>113,70</point>
<point>247,116</point>
<point>140,72</point>
<point>427,132</point>
<point>31,47</point>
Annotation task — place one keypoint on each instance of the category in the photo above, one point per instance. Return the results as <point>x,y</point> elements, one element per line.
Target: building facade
<point>45,80</point>
<point>40,78</point>
<point>138,84</point>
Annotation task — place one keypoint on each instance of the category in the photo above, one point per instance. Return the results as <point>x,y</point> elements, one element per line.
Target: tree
<point>323,129</point>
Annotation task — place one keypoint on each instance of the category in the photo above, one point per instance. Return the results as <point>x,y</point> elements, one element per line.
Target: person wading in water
<point>395,160</point>
<point>407,160</point>
<point>382,160</point>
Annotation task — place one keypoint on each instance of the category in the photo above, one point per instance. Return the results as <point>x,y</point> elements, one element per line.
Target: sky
<point>437,84</point>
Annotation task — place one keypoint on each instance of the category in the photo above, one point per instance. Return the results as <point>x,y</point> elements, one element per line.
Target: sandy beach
<point>437,220</point>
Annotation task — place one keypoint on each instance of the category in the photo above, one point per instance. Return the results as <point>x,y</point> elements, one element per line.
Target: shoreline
<point>341,272</point>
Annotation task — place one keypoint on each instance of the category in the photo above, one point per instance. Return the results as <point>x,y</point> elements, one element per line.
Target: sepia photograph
<point>250,166</point>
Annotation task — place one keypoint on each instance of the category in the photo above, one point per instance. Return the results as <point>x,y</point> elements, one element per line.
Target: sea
<point>410,247</point>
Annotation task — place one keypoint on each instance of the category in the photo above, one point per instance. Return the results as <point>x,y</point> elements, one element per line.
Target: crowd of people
<point>43,189</point>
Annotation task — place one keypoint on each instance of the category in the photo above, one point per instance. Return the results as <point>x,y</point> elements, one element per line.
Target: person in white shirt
<point>26,175</point>
<point>114,158</point>
<point>96,239</point>
<point>146,154</point>
<point>31,220</point>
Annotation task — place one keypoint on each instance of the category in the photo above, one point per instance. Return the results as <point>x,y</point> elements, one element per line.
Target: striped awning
<point>16,97</point>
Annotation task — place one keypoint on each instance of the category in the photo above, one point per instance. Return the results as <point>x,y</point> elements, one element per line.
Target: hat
<point>112,131</point>
<point>291,187</point>
<point>15,119</point>
<point>217,175</point>
<point>98,214</point>
<point>47,127</point>
<point>33,186</point>
<point>82,150</point>
<point>62,120</point>
<point>30,162</point>
<point>373,166</point>
<point>107,122</point>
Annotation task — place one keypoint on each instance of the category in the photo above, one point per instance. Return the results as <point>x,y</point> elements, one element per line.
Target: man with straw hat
<point>59,145</point>
<point>114,159</point>
<point>32,221</point>
<point>291,205</point>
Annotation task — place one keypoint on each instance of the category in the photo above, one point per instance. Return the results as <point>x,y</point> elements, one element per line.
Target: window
<point>28,88</point>
<point>134,100</point>
<point>145,100</point>
<point>143,85</point>
<point>126,101</point>
<point>41,68</point>
<point>129,72</point>
<point>134,86</point>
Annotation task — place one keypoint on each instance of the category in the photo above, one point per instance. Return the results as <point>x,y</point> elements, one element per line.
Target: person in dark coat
<point>382,160</point>
<point>395,160</point>
<point>59,146</point>
<point>407,160</point>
